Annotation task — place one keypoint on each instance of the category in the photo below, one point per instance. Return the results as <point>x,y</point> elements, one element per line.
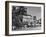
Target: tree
<point>34,18</point>
<point>17,12</point>
<point>23,10</point>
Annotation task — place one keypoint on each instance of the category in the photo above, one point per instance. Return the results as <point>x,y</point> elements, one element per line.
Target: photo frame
<point>24,18</point>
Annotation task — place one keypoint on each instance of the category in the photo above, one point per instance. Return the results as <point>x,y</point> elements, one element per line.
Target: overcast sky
<point>34,11</point>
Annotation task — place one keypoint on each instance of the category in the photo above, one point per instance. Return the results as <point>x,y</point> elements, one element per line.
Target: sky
<point>34,11</point>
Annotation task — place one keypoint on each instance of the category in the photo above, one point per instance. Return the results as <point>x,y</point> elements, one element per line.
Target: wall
<point>2,19</point>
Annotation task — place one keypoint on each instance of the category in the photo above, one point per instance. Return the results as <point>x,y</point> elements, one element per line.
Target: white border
<point>24,32</point>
